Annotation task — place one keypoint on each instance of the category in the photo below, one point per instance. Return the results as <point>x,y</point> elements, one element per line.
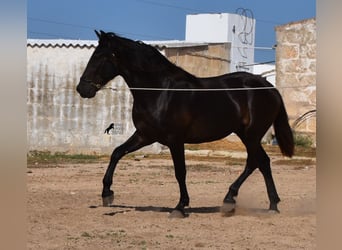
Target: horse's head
<point>100,69</point>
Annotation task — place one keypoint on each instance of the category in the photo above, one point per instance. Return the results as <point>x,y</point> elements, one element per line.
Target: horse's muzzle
<point>86,90</point>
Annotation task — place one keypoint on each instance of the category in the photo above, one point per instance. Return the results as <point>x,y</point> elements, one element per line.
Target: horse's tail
<point>283,132</point>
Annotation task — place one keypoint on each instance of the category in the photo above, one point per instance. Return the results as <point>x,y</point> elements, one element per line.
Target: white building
<point>266,70</point>
<point>239,30</point>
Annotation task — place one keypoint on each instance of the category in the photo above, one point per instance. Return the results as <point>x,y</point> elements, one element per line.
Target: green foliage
<point>46,157</point>
<point>303,140</point>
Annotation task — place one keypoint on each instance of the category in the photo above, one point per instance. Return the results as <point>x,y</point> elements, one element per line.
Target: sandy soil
<point>65,211</point>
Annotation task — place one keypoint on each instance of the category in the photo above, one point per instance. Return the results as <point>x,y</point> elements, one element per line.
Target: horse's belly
<point>206,138</point>
<point>208,130</point>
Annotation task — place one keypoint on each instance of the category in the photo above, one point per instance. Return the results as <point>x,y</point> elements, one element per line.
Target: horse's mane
<point>144,57</point>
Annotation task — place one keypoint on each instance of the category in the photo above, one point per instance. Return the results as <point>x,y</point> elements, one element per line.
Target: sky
<point>156,19</point>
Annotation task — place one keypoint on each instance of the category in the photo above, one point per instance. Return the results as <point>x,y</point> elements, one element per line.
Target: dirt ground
<point>65,208</point>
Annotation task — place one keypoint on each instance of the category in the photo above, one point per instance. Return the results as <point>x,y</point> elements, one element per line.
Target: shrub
<point>302,140</point>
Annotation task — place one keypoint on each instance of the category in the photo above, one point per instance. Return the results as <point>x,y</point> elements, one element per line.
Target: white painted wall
<point>58,118</point>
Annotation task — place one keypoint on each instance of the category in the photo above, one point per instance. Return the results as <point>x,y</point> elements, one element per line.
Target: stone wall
<point>296,70</point>
<point>59,120</point>
<point>202,61</point>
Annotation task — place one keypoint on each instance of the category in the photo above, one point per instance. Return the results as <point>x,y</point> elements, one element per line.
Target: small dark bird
<point>111,126</point>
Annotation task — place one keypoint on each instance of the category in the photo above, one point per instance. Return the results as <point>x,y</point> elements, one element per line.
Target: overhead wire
<point>243,35</point>
<point>120,32</point>
<point>180,89</point>
<point>166,5</point>
<point>207,89</point>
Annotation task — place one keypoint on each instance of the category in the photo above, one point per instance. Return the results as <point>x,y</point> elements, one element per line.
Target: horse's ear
<point>98,34</point>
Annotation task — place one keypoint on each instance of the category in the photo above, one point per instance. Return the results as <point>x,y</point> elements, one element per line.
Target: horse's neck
<point>147,79</point>
<point>139,85</point>
<point>141,80</point>
<point>165,78</point>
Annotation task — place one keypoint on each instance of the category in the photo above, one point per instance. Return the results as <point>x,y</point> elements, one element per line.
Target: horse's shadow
<point>188,211</point>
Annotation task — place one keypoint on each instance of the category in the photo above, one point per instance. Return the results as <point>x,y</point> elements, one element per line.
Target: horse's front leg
<point>177,152</point>
<point>135,142</point>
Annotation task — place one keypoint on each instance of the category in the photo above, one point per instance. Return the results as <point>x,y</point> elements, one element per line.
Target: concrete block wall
<point>59,120</point>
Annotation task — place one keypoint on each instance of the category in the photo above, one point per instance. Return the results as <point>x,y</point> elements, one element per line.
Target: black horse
<point>207,109</point>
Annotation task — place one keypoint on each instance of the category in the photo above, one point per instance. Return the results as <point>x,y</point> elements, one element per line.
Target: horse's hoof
<point>177,214</point>
<point>108,200</point>
<point>228,209</point>
<point>272,211</point>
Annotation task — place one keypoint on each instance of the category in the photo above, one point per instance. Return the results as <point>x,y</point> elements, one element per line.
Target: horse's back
<point>241,107</point>
<point>201,116</point>
<point>238,79</point>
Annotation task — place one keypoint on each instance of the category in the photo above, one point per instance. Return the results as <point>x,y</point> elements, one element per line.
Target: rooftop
<point>60,43</point>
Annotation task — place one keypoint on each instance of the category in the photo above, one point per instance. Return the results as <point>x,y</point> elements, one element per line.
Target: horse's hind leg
<point>229,201</point>
<point>265,169</point>
<point>251,165</point>
<point>257,157</point>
